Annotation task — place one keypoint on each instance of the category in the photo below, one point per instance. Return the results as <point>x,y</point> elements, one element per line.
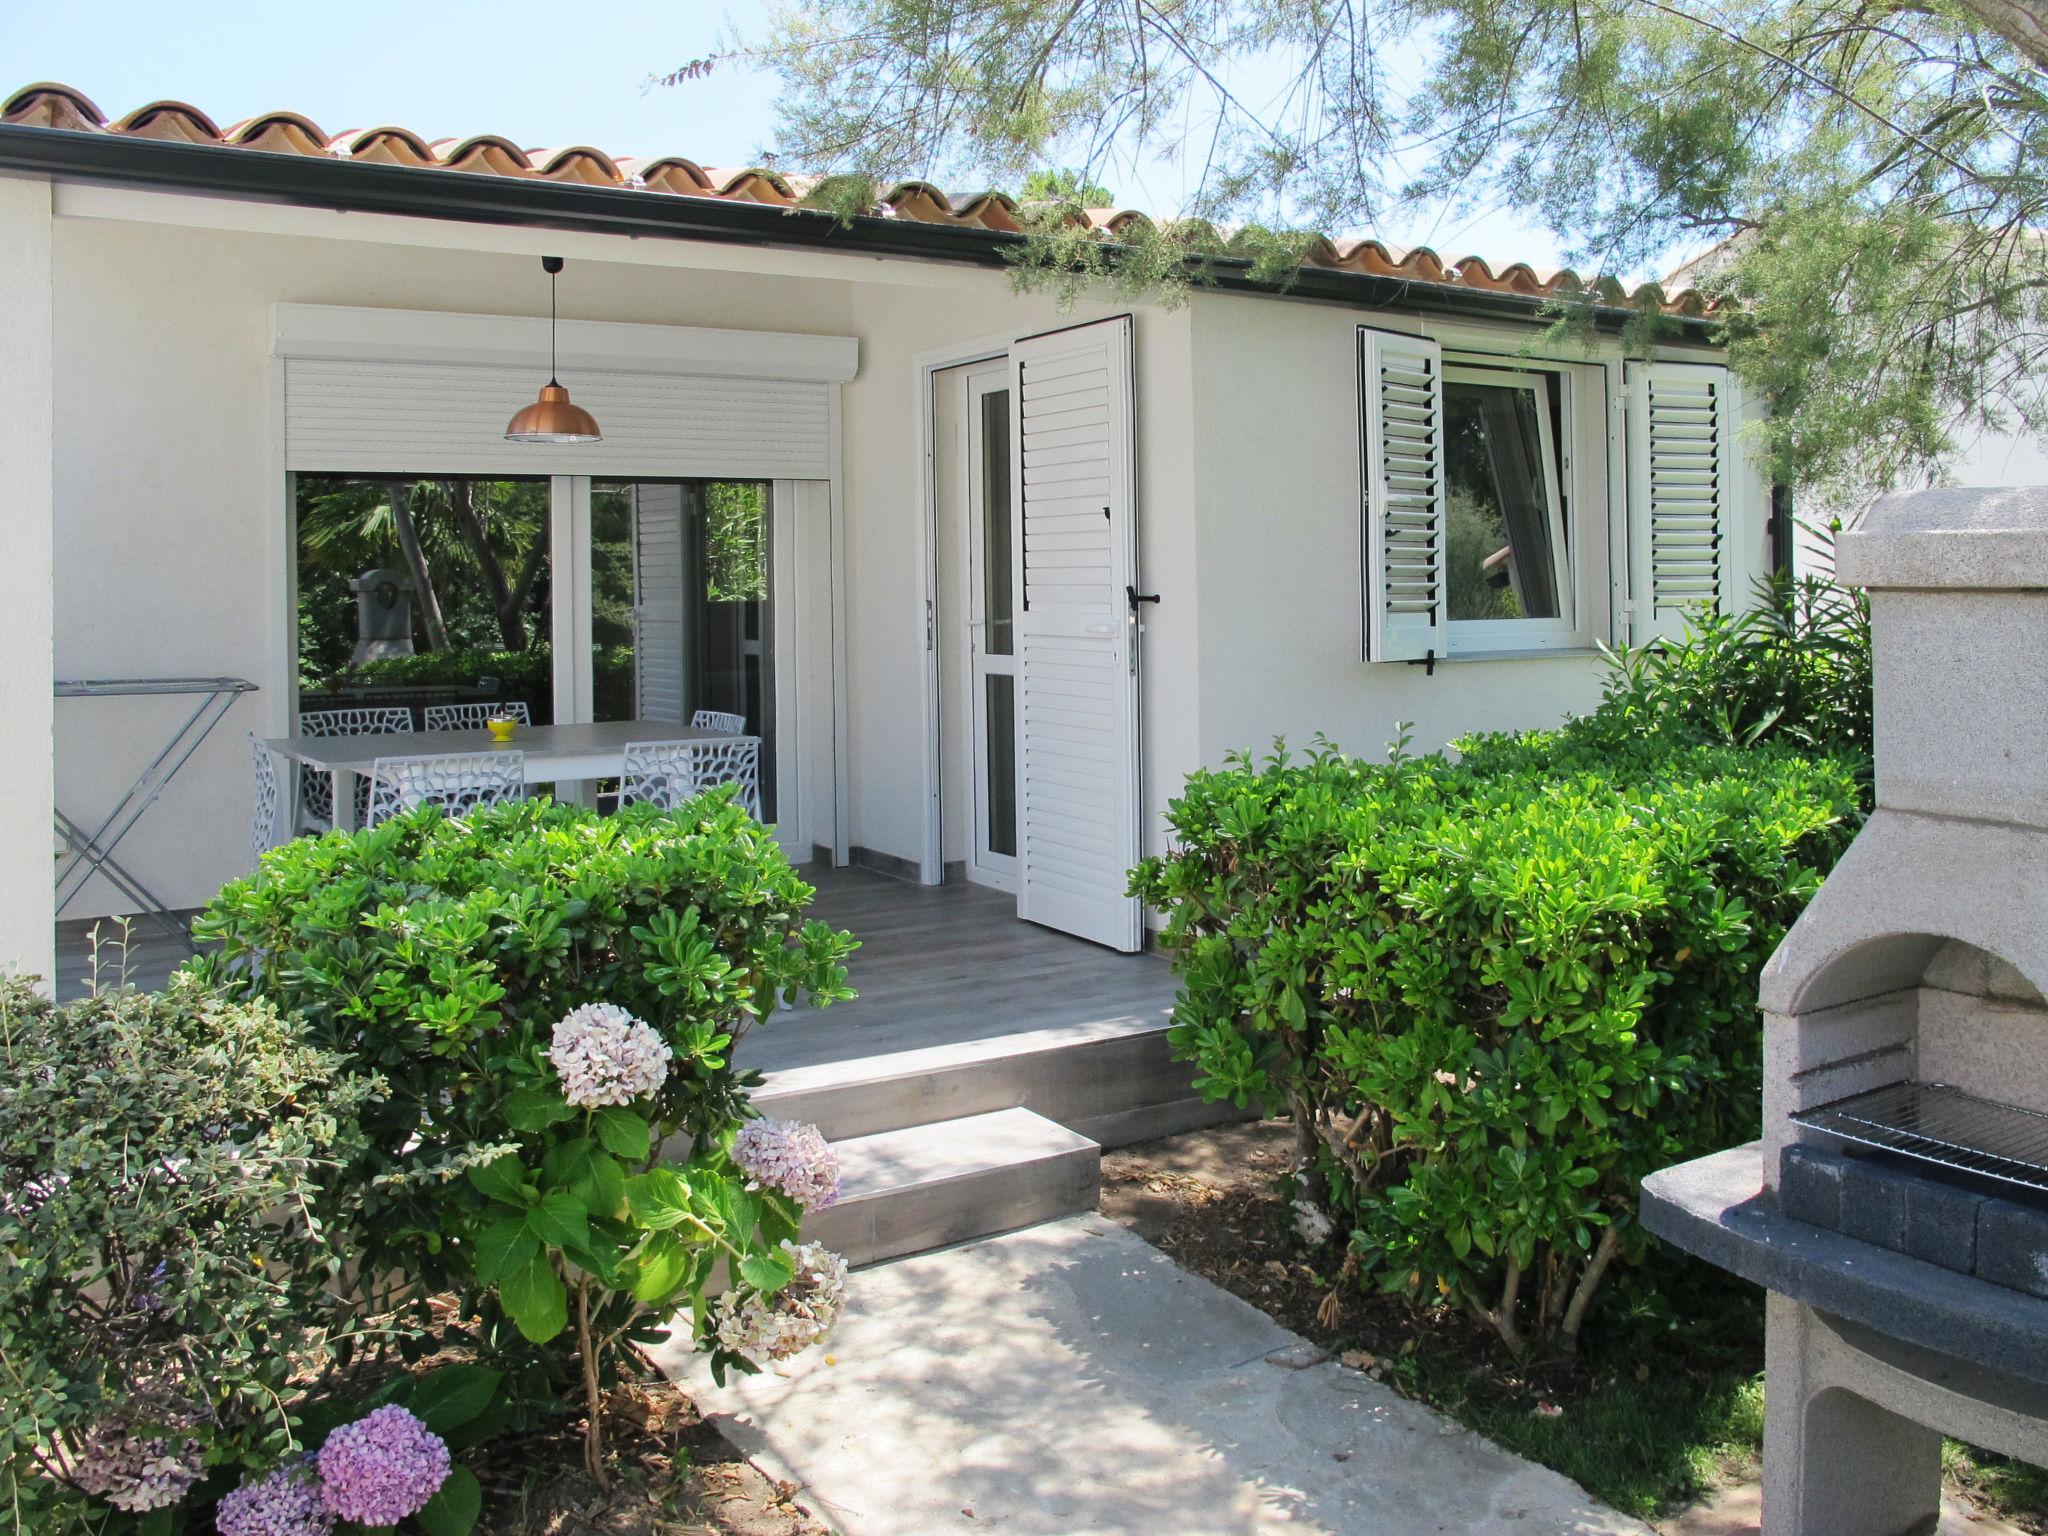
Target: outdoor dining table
<point>555,754</point>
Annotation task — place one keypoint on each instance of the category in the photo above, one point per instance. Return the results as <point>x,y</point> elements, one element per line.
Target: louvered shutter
<point>1078,828</point>
<point>1401,405</point>
<point>1683,488</point>
<point>658,602</point>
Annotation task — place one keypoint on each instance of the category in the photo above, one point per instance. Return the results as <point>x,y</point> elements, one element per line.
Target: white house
<point>1364,501</point>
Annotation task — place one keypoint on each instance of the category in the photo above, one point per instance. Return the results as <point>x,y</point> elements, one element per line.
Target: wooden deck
<point>937,966</point>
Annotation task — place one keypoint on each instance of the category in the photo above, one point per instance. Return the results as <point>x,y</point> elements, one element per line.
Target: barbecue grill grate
<point>1942,1125</point>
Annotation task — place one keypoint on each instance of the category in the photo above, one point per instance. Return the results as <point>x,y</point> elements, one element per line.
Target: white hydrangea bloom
<point>1312,1224</point>
<point>604,1055</point>
<point>791,1157</point>
<point>765,1328</point>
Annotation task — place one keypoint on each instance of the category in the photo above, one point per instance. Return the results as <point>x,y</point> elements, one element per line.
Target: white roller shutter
<point>1401,406</point>
<point>346,416</point>
<point>1684,486</point>
<point>658,602</point>
<point>1078,831</point>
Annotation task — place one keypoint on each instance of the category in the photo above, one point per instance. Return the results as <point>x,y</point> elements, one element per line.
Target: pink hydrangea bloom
<point>288,1502</point>
<point>383,1467</point>
<point>135,1471</point>
<point>791,1157</point>
<point>604,1055</point>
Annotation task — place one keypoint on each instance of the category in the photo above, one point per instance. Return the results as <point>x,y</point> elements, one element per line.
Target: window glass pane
<point>995,532</point>
<point>696,630</point>
<point>1501,529</point>
<point>1002,763</point>
<point>423,590</point>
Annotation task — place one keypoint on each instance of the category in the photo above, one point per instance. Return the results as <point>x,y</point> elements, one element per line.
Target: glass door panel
<point>992,541</point>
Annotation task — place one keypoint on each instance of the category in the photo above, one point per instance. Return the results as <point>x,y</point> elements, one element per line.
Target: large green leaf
<point>658,1198</point>
<point>454,1509</point>
<point>503,1180</point>
<point>661,1268</point>
<point>505,1246</point>
<point>537,1301</point>
<point>560,1220</point>
<point>624,1133</point>
<point>535,1109</point>
<point>447,1398</point>
<point>767,1272</point>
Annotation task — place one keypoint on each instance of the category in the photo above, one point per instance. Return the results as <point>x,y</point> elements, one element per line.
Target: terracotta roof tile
<point>50,105</point>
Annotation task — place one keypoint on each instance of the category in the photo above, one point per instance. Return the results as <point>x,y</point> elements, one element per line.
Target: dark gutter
<point>473,198</point>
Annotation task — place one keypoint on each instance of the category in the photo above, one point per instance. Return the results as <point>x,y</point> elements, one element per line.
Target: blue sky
<point>541,74</point>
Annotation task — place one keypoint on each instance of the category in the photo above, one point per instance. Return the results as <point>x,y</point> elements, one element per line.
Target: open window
<point>1507,550</point>
<point>1485,492</point>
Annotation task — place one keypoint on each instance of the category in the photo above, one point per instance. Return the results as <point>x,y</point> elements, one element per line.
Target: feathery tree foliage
<point>1874,165</point>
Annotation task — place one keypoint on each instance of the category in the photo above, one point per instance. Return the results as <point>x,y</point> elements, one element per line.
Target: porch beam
<point>27,637</point>
<point>436,194</point>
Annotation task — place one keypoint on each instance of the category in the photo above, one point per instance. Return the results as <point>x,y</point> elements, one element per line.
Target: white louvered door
<point>658,662</point>
<point>1401,401</point>
<point>1078,829</point>
<point>1683,484</point>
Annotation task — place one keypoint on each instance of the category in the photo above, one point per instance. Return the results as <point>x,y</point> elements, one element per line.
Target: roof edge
<point>367,186</point>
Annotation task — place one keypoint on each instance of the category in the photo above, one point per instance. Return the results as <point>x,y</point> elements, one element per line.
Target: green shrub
<point>1795,668</point>
<point>444,953</point>
<point>162,1266</point>
<point>1493,993</point>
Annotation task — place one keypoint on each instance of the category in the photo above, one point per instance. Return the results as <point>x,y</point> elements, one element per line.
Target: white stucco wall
<point>27,430</point>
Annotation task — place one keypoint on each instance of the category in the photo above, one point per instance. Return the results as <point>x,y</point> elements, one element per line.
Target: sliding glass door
<point>683,612</point>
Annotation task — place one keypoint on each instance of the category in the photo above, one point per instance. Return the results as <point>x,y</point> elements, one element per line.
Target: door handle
<point>1136,597</point>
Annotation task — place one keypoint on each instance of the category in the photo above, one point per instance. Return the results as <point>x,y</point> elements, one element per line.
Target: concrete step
<point>1114,1083</point>
<point>904,1191</point>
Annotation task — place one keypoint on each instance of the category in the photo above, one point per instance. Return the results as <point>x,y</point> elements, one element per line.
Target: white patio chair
<point>471,717</point>
<point>719,720</point>
<point>666,773</point>
<point>316,789</point>
<point>458,782</point>
<point>263,811</point>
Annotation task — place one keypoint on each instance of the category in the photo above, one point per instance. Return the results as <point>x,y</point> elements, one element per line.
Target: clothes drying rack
<point>93,853</point>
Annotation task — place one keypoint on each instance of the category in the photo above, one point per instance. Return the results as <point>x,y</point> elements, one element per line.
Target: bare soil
<point>672,1474</point>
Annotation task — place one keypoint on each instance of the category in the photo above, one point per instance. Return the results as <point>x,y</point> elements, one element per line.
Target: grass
<point>1642,1447</point>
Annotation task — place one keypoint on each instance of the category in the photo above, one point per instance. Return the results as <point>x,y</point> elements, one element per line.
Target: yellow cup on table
<point>501,727</point>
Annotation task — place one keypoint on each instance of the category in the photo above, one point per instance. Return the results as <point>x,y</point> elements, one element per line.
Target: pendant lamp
<point>553,418</point>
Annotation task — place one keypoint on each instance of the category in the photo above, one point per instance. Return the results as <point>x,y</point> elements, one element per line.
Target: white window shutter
<point>1684,488</point>
<point>1401,406</point>
<point>658,602</point>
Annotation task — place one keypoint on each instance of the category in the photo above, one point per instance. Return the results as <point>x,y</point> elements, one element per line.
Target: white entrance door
<point>992,629</point>
<point>1073,480</point>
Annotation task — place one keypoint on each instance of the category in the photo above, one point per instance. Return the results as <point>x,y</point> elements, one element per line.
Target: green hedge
<point>1494,992</point>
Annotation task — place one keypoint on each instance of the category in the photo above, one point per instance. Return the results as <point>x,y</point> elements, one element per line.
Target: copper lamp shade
<point>553,418</point>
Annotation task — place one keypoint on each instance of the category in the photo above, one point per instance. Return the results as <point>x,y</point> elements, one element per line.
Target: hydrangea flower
<point>604,1055</point>
<point>288,1502</point>
<point>135,1472</point>
<point>764,1328</point>
<point>1312,1224</point>
<point>791,1157</point>
<point>383,1467</point>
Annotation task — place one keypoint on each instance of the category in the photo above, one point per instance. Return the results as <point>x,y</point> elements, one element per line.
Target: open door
<point>1078,821</point>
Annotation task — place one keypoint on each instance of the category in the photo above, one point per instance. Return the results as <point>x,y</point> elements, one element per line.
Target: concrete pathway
<point>1740,1512</point>
<point>1071,1380</point>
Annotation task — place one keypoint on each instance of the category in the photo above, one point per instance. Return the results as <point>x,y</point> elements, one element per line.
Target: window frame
<point>1581,535</point>
<point>1527,633</point>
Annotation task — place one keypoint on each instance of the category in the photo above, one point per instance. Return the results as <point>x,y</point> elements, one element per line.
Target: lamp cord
<point>552,368</point>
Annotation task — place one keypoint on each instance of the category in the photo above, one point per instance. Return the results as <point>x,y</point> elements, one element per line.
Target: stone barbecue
<point>1897,1206</point>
